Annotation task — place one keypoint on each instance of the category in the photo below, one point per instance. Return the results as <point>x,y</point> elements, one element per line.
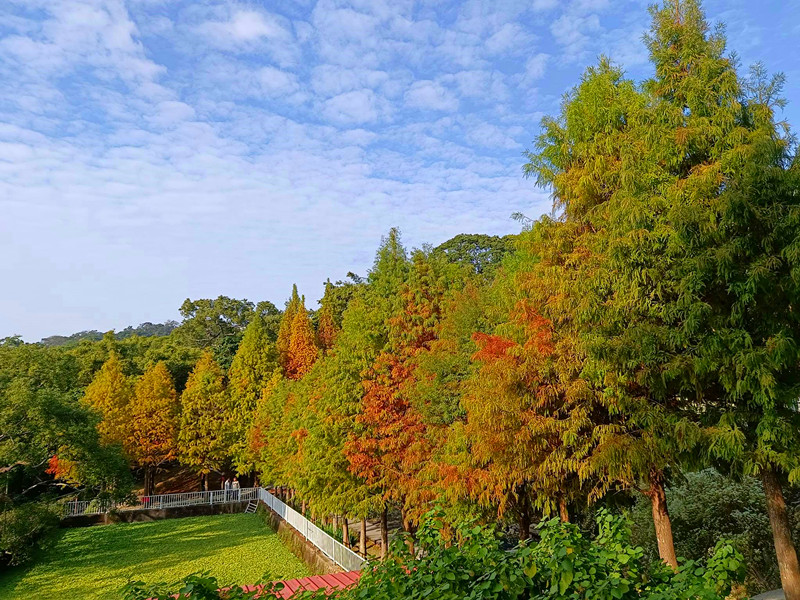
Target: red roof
<point>334,581</point>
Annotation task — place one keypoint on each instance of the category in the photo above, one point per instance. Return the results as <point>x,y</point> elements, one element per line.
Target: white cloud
<point>430,95</point>
<point>511,38</point>
<point>330,80</point>
<point>360,106</point>
<point>276,82</point>
<point>245,26</point>
<point>536,66</point>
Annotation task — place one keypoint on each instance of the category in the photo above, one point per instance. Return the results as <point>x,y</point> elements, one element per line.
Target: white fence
<point>338,553</point>
<point>77,507</point>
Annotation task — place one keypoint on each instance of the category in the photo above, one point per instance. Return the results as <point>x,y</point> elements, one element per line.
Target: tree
<point>153,428</point>
<point>327,327</point>
<point>483,253</point>
<point>683,188</point>
<point>252,368</point>
<point>586,155</point>
<point>302,345</point>
<point>217,324</point>
<point>41,418</point>
<point>204,440</point>
<point>110,395</point>
<point>393,444</point>
<point>285,330</point>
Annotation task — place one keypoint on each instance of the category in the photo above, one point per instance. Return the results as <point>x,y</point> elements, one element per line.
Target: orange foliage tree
<point>302,345</point>
<point>392,444</point>
<point>152,440</point>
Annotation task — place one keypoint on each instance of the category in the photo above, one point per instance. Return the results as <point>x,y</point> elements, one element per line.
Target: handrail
<point>77,508</point>
<point>336,551</point>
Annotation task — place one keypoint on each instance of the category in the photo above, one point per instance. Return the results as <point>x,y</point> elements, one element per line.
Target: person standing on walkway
<point>235,488</point>
<point>227,487</point>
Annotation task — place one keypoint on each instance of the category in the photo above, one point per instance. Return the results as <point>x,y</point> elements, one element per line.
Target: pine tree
<point>204,439</point>
<point>253,366</point>
<point>153,427</point>
<point>110,395</point>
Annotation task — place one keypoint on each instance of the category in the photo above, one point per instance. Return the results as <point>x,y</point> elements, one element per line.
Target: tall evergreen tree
<point>110,394</point>
<point>204,438</point>
<point>285,330</point>
<point>153,427</point>
<point>681,196</point>
<point>253,366</point>
<point>302,345</point>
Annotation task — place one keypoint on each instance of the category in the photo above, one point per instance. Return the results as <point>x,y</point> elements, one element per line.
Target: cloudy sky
<point>156,150</point>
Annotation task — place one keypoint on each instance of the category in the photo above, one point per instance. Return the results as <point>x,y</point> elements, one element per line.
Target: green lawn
<point>94,562</point>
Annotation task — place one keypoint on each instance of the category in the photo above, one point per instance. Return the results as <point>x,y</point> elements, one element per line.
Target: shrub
<point>708,507</point>
<point>467,563</point>
<point>24,529</point>
<point>198,586</point>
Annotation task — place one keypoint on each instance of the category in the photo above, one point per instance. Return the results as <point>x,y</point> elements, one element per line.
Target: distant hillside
<point>143,330</point>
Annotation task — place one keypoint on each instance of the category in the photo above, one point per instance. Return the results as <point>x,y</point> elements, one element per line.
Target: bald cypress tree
<point>681,195</point>
<point>153,428</point>
<point>110,394</point>
<point>285,330</point>
<point>253,366</point>
<point>205,437</point>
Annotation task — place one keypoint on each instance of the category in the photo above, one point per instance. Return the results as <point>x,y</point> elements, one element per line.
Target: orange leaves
<point>302,346</point>
<point>154,424</point>
<point>297,346</point>
<point>62,468</point>
<point>491,347</point>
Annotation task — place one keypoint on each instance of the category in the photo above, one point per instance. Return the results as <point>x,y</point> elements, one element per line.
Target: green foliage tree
<point>253,366</point>
<point>218,324</point>
<point>204,438</point>
<point>483,253</point>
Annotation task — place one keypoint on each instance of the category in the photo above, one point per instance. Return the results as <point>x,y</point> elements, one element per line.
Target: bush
<point>197,586</point>
<point>708,507</point>
<point>467,563</point>
<point>24,529</point>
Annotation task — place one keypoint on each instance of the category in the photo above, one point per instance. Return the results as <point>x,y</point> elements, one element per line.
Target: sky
<point>153,150</point>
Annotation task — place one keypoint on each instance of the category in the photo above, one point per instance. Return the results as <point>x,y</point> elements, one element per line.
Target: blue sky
<point>156,150</point>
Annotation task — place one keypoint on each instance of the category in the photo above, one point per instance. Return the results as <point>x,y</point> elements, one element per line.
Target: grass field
<point>95,562</point>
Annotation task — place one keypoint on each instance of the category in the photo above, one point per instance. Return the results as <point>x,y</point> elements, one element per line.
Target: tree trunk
<point>781,534</point>
<point>149,481</point>
<point>384,533</point>
<point>345,532</point>
<point>658,501</point>
<point>524,521</point>
<point>563,512</point>
<point>410,529</point>
<point>362,538</point>
<point>303,508</point>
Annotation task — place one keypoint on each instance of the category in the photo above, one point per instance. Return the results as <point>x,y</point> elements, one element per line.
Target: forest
<point>635,352</point>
